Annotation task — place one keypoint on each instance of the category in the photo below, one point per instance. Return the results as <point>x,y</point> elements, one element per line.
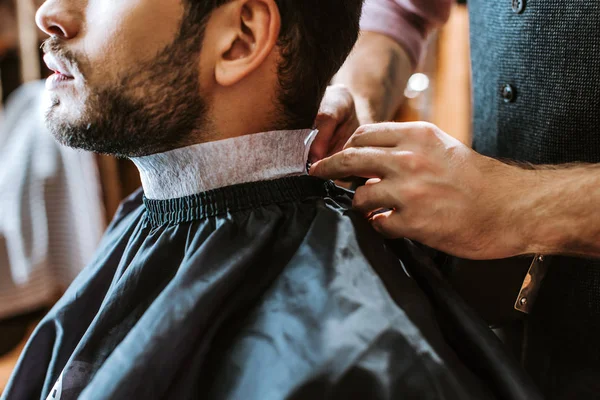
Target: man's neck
<point>211,165</point>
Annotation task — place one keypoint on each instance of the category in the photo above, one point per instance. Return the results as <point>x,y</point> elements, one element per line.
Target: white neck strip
<point>212,165</point>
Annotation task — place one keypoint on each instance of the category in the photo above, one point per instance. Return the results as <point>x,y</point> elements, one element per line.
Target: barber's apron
<point>536,78</point>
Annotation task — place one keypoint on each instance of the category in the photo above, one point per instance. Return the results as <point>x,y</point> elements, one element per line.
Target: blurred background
<point>55,202</point>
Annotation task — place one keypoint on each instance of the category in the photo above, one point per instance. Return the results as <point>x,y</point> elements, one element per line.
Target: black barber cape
<point>269,290</point>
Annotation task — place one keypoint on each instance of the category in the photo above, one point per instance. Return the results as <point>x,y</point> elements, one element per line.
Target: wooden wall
<point>447,101</point>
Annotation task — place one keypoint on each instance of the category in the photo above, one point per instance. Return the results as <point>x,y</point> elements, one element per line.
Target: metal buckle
<point>531,284</point>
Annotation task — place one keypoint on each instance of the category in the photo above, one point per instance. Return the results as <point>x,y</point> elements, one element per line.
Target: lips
<point>58,66</point>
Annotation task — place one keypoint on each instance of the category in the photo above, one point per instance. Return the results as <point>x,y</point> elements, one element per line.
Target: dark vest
<point>536,79</point>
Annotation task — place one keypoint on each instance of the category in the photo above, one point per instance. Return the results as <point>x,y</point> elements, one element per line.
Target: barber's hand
<point>336,122</point>
<point>434,189</point>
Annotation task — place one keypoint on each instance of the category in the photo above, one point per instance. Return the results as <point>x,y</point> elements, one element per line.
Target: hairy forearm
<point>559,209</point>
<point>376,74</point>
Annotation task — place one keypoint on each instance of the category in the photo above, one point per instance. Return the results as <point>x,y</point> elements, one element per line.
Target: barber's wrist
<point>512,203</point>
<point>541,228</point>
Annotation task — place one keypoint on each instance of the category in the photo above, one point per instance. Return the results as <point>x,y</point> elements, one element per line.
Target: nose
<point>58,18</point>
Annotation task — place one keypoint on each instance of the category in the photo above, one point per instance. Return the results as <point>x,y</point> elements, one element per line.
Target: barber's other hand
<point>336,122</point>
<point>440,192</point>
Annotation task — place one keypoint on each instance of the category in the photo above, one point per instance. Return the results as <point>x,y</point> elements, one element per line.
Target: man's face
<point>127,80</point>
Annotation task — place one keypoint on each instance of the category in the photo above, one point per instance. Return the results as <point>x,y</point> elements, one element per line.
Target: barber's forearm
<point>376,73</point>
<point>561,210</point>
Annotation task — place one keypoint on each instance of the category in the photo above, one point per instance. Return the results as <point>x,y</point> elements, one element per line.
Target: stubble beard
<point>153,108</point>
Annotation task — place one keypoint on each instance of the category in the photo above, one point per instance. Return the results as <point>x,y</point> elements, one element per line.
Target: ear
<point>248,31</point>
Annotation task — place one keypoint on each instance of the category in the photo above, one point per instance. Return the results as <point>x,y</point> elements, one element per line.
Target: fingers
<point>364,162</point>
<point>320,146</point>
<point>336,122</point>
<point>409,135</point>
<point>377,135</point>
<point>331,138</point>
<point>373,181</point>
<point>374,197</point>
<point>389,224</point>
<point>337,103</point>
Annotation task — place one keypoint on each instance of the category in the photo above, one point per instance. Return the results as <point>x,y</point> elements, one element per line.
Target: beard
<point>155,107</point>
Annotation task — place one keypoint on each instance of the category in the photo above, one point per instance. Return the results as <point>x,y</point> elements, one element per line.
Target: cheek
<point>122,34</point>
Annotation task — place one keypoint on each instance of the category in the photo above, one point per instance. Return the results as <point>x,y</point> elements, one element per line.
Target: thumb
<point>327,126</point>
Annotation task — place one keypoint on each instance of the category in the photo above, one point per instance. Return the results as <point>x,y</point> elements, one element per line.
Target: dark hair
<point>315,39</point>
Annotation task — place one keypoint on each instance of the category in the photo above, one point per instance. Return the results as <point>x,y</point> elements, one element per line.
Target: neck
<point>212,165</point>
<point>250,106</point>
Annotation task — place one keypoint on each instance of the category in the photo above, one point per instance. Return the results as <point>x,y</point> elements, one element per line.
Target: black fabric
<point>14,330</point>
<point>465,331</point>
<point>550,55</point>
<point>270,290</point>
<point>562,351</point>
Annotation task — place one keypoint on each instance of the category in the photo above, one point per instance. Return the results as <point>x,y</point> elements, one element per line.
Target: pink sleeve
<point>407,21</point>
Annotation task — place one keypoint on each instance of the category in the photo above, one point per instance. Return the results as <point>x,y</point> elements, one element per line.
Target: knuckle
<point>412,161</point>
<point>414,193</point>
<point>338,87</point>
<point>380,224</point>
<point>427,126</point>
<point>337,105</point>
<point>427,130</point>
<point>411,222</point>
<point>362,130</point>
<point>326,115</point>
<point>392,126</point>
<point>419,226</point>
<point>352,142</point>
<point>325,121</point>
<point>342,94</point>
<point>386,228</point>
<point>360,198</point>
<point>348,157</point>
<point>345,94</point>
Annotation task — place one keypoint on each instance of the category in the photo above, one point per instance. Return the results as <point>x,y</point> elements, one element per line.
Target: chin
<point>64,126</point>
<point>59,107</point>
